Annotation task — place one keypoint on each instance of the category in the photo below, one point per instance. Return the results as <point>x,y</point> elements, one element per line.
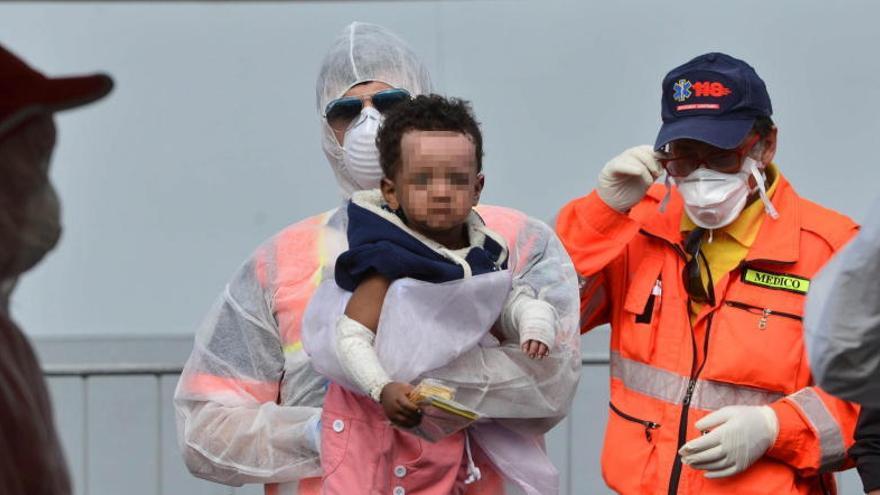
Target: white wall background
<point>209,144</point>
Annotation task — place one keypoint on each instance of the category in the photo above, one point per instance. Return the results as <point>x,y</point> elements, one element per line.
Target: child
<point>420,226</point>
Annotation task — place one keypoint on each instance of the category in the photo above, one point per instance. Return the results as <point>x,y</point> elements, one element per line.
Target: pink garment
<point>361,453</point>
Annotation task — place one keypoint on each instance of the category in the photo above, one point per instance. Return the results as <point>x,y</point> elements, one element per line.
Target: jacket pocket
<point>648,425</point>
<point>756,345</point>
<point>335,433</point>
<point>765,313</point>
<point>629,462</point>
<point>642,310</point>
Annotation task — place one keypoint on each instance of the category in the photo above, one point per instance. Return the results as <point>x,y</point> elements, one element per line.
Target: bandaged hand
<point>537,327</point>
<point>535,322</point>
<point>739,436</point>
<point>399,408</point>
<point>535,349</point>
<point>624,180</point>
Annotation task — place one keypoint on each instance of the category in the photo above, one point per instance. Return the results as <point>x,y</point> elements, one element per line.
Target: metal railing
<point>159,369</point>
<point>115,369</point>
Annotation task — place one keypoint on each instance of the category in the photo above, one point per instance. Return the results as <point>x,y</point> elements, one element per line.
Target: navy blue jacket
<point>377,245</point>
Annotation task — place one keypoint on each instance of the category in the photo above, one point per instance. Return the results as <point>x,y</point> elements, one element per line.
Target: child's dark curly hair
<point>425,113</point>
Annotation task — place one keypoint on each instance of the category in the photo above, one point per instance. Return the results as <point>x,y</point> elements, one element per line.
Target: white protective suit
<point>842,320</point>
<point>248,398</point>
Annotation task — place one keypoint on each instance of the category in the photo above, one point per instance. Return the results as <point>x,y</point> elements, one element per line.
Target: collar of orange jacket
<point>778,240</point>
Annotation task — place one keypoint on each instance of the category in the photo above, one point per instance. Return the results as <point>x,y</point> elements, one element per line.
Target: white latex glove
<point>624,180</point>
<point>740,436</point>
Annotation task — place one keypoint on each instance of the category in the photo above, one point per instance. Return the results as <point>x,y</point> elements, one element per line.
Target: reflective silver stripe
<point>711,395</point>
<point>671,387</point>
<point>648,380</point>
<point>830,437</point>
<point>586,284</point>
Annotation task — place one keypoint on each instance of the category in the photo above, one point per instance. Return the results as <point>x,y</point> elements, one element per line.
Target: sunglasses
<point>342,111</point>
<point>724,161</point>
<point>690,274</point>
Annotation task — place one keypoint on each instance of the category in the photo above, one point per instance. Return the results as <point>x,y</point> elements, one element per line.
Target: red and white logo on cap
<point>684,89</point>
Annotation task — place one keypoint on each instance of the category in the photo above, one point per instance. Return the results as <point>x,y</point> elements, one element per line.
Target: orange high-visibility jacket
<point>747,349</point>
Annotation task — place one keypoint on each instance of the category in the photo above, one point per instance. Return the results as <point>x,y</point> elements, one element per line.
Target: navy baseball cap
<point>714,98</point>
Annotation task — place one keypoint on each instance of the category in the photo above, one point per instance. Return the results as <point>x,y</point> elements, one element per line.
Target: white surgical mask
<point>360,154</point>
<point>41,232</point>
<point>33,228</point>
<point>714,200</point>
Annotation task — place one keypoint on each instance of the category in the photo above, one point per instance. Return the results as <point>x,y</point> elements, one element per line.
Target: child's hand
<point>535,349</point>
<point>397,405</point>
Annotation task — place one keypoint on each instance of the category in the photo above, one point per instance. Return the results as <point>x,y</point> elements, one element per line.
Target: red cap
<point>25,91</point>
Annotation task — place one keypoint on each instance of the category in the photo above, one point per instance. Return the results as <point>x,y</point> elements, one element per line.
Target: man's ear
<point>478,188</point>
<point>769,150</point>
<point>389,192</point>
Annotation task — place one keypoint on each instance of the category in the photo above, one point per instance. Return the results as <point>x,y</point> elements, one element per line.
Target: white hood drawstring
<point>474,473</point>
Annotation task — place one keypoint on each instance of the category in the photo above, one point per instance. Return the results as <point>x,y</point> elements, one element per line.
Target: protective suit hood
<point>363,52</point>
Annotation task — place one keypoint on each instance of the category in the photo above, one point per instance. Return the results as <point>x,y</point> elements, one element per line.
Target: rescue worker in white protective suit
<point>248,402</point>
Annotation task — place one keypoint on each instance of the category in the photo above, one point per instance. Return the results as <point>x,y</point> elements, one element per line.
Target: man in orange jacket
<point>703,284</point>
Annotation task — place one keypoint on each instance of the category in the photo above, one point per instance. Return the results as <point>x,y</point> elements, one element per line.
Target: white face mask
<point>360,154</point>
<point>41,232</point>
<point>714,200</point>
<point>33,229</point>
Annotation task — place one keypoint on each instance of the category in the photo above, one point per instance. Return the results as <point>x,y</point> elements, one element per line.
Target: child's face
<point>436,183</point>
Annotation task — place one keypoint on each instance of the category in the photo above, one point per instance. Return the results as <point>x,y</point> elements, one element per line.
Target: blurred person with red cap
<point>29,228</point>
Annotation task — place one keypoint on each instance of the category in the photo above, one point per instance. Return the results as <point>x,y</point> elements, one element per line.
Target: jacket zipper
<point>649,425</point>
<point>692,383</point>
<point>764,312</point>
<point>675,476</point>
